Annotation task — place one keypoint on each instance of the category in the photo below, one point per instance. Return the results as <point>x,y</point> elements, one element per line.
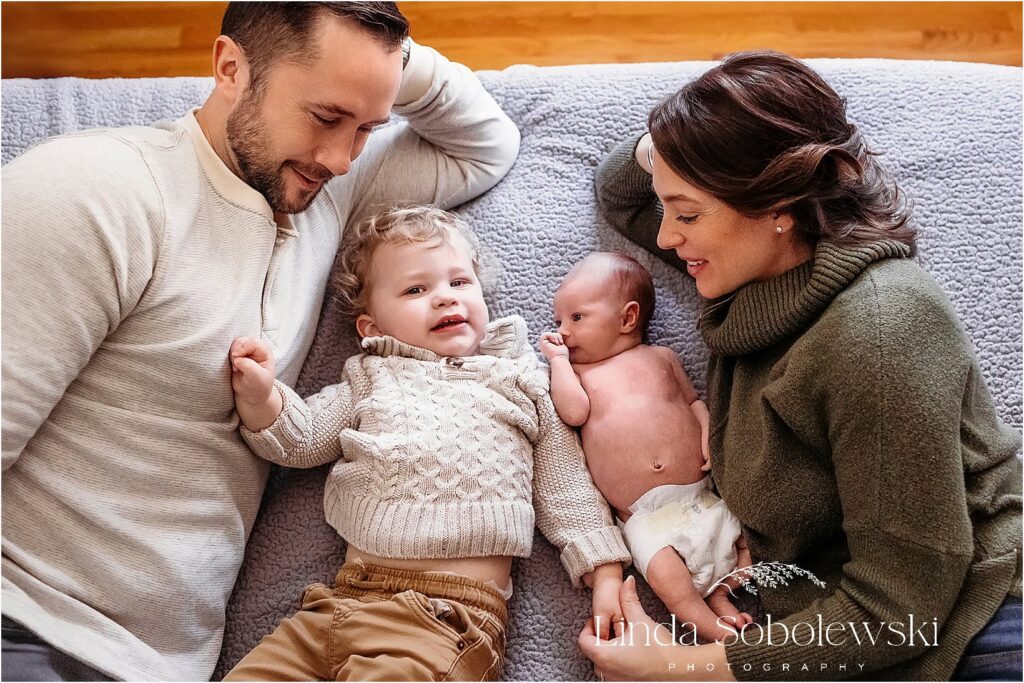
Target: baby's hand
<point>252,370</point>
<point>551,345</point>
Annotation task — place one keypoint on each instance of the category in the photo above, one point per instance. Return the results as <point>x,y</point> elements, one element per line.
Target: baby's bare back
<point>641,432</point>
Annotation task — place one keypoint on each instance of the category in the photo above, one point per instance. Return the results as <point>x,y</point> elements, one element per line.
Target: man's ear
<point>366,327</point>
<point>630,317</point>
<point>230,69</point>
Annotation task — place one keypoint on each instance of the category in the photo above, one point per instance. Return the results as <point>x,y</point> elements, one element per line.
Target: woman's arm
<point>627,201</point>
<point>886,389</point>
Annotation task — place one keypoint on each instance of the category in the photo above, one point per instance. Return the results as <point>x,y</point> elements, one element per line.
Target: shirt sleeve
<point>454,143</point>
<point>306,432</point>
<point>79,248</point>
<point>571,512</point>
<point>626,200</point>
<point>893,406</point>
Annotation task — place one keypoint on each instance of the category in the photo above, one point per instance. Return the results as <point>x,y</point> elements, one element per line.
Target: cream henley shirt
<point>131,259</point>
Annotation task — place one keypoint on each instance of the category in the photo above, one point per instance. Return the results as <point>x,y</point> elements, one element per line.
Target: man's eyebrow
<point>341,111</point>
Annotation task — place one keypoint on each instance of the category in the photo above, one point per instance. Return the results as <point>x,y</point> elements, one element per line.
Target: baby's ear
<point>366,327</point>
<point>630,317</point>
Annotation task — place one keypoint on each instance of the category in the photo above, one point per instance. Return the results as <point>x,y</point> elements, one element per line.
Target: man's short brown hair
<point>269,31</point>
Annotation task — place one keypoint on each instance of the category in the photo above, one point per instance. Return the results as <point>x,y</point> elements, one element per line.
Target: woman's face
<point>723,249</point>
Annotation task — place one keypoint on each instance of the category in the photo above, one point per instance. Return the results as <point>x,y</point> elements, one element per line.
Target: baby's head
<point>414,274</point>
<point>603,306</point>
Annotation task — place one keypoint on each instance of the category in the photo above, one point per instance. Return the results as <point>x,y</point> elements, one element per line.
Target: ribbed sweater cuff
<point>582,554</point>
<point>274,442</point>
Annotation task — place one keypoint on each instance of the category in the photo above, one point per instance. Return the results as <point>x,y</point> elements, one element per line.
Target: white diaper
<point>691,519</point>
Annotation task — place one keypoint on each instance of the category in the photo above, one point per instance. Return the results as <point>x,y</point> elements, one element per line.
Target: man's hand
<point>552,345</point>
<point>606,581</point>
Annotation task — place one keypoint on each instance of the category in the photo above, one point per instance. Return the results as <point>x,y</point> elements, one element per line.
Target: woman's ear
<point>366,327</point>
<point>784,220</point>
<point>630,317</point>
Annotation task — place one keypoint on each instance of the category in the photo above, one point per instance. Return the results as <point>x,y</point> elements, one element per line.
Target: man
<point>132,257</point>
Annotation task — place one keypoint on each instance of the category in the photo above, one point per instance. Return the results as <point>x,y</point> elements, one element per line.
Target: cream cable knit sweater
<point>440,457</point>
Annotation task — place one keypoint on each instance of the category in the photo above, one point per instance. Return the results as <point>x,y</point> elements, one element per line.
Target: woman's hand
<point>646,651</point>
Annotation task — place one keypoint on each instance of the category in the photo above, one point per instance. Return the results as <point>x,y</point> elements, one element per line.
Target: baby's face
<point>428,295</point>
<point>589,318</point>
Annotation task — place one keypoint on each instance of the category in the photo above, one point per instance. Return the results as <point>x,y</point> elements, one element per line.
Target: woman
<point>851,430</point>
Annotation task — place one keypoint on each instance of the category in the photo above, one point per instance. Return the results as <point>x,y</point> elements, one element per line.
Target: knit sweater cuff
<point>584,553</point>
<point>274,442</point>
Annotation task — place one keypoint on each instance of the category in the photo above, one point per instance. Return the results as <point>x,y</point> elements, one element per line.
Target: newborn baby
<point>645,435</point>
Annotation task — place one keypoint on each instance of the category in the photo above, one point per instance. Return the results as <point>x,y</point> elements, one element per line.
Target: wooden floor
<point>129,39</point>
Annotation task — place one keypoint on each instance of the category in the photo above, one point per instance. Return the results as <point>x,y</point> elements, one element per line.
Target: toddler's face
<point>588,318</point>
<point>428,295</point>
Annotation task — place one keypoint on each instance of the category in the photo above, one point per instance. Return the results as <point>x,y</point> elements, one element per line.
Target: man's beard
<point>247,139</point>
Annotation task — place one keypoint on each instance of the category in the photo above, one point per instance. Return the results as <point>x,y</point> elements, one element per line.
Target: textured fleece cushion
<point>951,133</point>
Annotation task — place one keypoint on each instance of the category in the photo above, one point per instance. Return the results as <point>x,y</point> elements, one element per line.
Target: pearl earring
<point>778,229</point>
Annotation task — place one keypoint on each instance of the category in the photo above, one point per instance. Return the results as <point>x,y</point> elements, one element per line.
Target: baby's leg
<point>721,605</point>
<point>671,580</point>
<point>719,601</point>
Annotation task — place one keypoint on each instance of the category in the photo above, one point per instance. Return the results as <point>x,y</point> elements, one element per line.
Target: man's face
<point>309,122</point>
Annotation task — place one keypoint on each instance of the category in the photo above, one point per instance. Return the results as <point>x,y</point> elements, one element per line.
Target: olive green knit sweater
<point>853,436</point>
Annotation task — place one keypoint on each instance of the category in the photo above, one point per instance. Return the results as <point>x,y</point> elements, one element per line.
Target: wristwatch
<point>406,46</point>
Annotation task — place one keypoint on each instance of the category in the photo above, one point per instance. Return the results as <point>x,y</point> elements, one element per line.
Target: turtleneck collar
<point>503,338</point>
<point>762,314</point>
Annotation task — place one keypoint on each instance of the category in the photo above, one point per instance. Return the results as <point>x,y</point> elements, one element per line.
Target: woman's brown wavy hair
<point>764,133</point>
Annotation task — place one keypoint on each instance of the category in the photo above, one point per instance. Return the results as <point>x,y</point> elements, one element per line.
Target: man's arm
<point>79,246</point>
<point>455,144</point>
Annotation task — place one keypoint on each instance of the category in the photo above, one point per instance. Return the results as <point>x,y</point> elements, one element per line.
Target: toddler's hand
<point>608,622</point>
<point>252,370</point>
<point>551,345</point>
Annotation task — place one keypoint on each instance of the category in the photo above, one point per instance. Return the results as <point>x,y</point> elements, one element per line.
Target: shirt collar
<point>227,184</point>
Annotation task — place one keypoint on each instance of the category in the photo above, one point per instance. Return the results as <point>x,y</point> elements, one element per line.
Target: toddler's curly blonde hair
<point>401,225</point>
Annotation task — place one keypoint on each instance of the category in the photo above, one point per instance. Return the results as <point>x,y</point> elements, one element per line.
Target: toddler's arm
<point>570,399</point>
<point>571,512</point>
<point>699,408</point>
<point>276,423</point>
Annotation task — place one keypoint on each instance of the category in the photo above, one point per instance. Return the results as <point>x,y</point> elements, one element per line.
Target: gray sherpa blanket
<point>951,133</point>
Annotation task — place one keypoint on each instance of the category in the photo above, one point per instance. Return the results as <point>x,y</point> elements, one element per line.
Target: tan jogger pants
<point>382,624</point>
